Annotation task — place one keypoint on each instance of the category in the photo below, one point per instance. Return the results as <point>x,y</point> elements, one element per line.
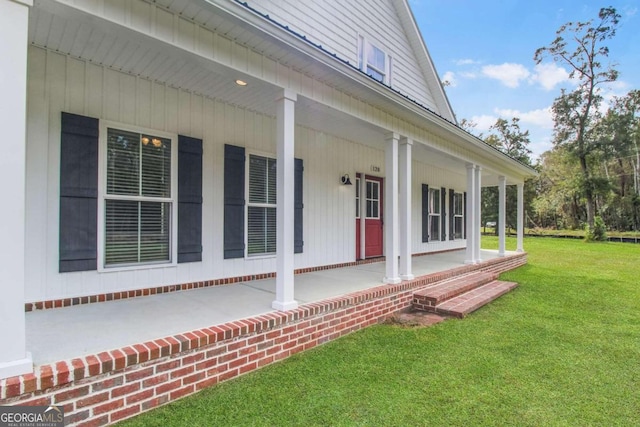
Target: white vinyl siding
<point>62,83</point>
<point>261,209</point>
<point>138,198</point>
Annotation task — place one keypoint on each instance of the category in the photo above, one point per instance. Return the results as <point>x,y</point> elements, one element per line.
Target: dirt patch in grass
<point>415,319</point>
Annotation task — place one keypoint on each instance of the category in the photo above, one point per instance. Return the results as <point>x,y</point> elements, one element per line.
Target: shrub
<point>599,231</point>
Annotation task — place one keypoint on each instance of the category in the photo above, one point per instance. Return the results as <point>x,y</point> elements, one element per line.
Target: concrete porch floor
<point>66,333</point>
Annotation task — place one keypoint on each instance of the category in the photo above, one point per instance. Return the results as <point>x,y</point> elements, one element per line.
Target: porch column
<point>478,214</point>
<point>391,209</point>
<point>470,213</point>
<point>285,136</point>
<point>405,208</point>
<point>520,221</point>
<point>502,214</point>
<point>14,25</point>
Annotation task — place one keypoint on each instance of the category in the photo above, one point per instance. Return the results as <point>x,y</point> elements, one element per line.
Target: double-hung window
<point>374,61</point>
<point>261,209</point>
<point>138,198</point>
<point>458,218</point>
<point>434,213</point>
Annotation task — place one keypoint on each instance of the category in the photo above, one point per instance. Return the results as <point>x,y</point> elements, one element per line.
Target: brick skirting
<point>106,387</point>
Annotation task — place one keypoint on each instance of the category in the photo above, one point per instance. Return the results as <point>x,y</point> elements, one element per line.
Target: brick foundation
<point>107,387</point>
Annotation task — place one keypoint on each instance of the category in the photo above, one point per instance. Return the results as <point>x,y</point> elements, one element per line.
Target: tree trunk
<point>588,190</point>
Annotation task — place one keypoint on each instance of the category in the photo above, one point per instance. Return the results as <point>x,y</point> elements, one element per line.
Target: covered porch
<point>127,322</point>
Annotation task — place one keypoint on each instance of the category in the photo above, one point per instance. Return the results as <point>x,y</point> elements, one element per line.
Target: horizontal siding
<point>336,25</point>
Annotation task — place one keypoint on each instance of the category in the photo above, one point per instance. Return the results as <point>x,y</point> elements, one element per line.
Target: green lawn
<point>563,349</point>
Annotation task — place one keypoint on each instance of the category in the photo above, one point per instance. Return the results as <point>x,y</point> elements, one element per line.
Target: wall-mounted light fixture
<point>241,82</point>
<point>345,179</point>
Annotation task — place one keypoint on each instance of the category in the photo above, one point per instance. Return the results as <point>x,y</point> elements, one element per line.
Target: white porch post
<point>405,208</point>
<point>502,214</point>
<point>520,222</point>
<point>391,209</point>
<point>14,25</point>
<point>285,136</point>
<point>470,214</point>
<point>478,214</point>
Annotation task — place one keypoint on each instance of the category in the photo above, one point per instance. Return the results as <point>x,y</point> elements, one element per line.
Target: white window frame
<point>434,194</point>
<point>461,216</point>
<point>102,196</point>
<point>248,154</point>
<point>363,41</point>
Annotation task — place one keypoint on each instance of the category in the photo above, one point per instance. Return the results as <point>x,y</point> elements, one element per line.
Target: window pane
<point>261,233</point>
<point>155,231</point>
<point>458,227</point>
<point>457,202</point>
<point>375,74</point>
<point>375,57</point>
<point>257,179</point>
<point>434,231</point>
<point>156,166</point>
<point>123,162</point>
<point>121,232</point>
<point>136,231</point>
<point>369,208</point>
<point>262,180</point>
<point>434,202</point>
<point>272,175</point>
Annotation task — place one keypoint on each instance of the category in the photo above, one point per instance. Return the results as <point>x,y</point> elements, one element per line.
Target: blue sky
<point>485,50</point>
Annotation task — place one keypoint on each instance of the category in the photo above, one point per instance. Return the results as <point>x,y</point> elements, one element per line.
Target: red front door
<point>372,212</point>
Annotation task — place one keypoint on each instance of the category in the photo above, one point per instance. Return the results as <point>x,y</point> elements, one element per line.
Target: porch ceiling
<point>68,31</point>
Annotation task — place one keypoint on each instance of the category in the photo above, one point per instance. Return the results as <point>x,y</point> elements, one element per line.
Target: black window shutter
<point>443,214</point>
<point>78,243</point>
<point>452,212</point>
<point>189,199</point>
<point>425,213</point>
<point>464,213</point>
<point>297,224</point>
<point>233,202</point>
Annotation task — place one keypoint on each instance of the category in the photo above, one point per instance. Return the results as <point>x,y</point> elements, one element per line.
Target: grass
<point>563,349</point>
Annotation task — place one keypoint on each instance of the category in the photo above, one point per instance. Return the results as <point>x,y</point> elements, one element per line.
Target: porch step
<point>447,289</point>
<point>470,301</point>
<point>461,295</point>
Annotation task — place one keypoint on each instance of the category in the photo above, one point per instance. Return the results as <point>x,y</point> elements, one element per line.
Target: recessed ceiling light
<point>241,82</point>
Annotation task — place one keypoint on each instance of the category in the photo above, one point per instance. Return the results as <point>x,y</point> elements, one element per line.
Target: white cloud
<point>483,122</point>
<point>450,78</point>
<point>466,61</point>
<point>468,75</point>
<point>508,74</point>
<point>549,75</point>
<point>542,117</point>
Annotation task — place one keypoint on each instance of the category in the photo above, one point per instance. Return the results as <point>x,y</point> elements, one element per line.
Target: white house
<point>153,143</point>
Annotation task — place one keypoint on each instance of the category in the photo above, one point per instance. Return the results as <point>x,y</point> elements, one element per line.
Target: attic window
<point>374,61</point>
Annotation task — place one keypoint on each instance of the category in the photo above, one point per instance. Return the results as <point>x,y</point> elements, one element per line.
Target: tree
<point>580,46</point>
<point>509,139</point>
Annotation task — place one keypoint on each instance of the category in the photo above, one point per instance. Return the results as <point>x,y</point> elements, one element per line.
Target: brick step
<point>472,300</point>
<point>442,291</point>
